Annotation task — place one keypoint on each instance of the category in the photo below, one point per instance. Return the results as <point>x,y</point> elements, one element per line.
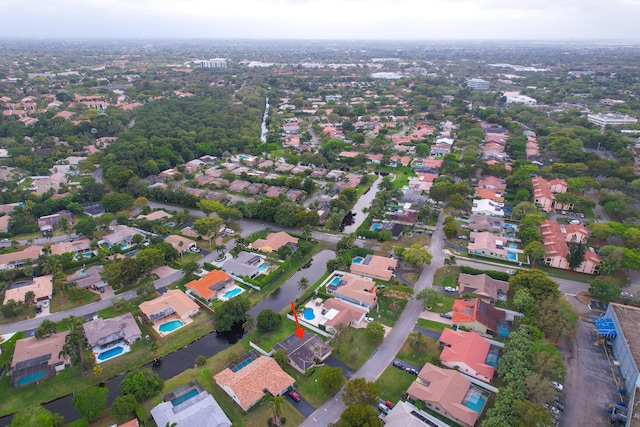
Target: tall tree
<point>360,416</point>
<point>331,379</point>
<point>535,251</point>
<point>36,416</point>
<point>46,328</point>
<point>303,284</point>
<point>417,255</point>
<point>277,409</point>
<point>208,227</point>
<point>359,391</point>
<point>91,402</point>
<point>576,254</point>
<point>231,312</point>
<point>248,324</point>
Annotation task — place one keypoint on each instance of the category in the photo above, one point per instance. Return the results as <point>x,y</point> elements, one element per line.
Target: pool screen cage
<point>31,366</point>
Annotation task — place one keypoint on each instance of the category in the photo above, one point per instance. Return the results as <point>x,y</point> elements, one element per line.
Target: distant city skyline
<point>323,19</point>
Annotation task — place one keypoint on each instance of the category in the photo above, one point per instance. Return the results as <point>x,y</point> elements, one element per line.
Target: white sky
<point>322,19</point>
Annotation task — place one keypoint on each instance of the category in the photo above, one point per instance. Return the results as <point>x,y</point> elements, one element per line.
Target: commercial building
<point>610,119</point>
<point>478,84</point>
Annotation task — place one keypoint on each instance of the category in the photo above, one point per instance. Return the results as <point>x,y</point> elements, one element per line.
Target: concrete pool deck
<point>226,289</point>
<point>156,325</point>
<point>97,352</point>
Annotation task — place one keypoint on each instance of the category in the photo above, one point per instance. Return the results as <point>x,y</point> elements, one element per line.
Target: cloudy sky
<point>322,19</point>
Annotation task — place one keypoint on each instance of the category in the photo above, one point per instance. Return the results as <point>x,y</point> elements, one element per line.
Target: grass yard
<point>27,313</point>
<point>620,280</point>
<point>430,324</point>
<point>427,352</point>
<point>441,303</point>
<point>267,340</point>
<point>444,278</point>
<point>355,349</point>
<point>309,387</point>
<point>389,309</point>
<point>63,302</point>
<point>393,383</point>
<point>411,277</point>
<point>421,239</point>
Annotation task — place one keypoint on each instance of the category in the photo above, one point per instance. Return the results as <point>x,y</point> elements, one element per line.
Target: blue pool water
<point>376,227</point>
<point>513,246</point>
<point>112,352</point>
<point>308,314</point>
<point>124,246</point>
<point>512,256</point>
<point>88,255</point>
<point>263,267</point>
<point>243,364</point>
<point>242,156</point>
<point>357,260</point>
<point>492,360</point>
<point>509,225</point>
<point>475,403</point>
<point>181,399</point>
<point>170,326</point>
<point>335,281</point>
<point>32,377</point>
<point>232,293</point>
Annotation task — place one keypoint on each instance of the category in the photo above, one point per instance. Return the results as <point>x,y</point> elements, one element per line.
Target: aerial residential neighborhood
<point>314,234</point>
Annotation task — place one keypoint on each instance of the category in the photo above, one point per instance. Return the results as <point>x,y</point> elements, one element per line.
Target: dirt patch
<point>584,297</point>
<point>397,294</point>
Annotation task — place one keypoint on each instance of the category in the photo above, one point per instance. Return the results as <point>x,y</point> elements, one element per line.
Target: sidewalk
<point>435,317</point>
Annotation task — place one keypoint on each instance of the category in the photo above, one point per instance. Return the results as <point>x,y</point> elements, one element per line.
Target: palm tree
<point>306,232</point>
<point>52,264</point>
<point>277,409</point>
<point>220,249</point>
<point>249,323</point>
<point>240,243</point>
<point>303,284</point>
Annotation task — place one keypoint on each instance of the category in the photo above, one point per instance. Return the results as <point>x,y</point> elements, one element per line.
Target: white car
<point>449,289</point>
<point>557,385</point>
<point>368,319</point>
<point>194,249</point>
<point>512,272</point>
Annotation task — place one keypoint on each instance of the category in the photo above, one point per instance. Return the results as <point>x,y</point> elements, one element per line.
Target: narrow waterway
<point>363,202</point>
<point>209,345</point>
<point>265,130</point>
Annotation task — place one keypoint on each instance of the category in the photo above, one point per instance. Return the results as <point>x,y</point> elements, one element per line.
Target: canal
<point>209,345</point>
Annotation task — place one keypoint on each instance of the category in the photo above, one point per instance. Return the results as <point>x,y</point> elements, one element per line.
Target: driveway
<point>302,406</point>
<point>427,332</point>
<point>337,363</point>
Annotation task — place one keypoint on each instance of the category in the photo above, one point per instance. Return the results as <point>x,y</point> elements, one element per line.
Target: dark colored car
<point>294,395</point>
<point>398,364</point>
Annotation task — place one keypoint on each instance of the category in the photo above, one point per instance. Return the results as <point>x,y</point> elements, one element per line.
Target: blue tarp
<point>606,328</point>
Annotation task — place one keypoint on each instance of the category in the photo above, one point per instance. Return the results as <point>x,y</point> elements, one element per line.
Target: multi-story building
<point>478,84</point>
<point>610,119</point>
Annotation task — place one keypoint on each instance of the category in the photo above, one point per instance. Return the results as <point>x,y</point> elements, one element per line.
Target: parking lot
<point>590,386</point>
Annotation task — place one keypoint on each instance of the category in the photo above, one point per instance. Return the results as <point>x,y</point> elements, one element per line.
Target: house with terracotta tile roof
<point>490,194</point>
<point>173,303</point>
<point>337,312</point>
<point>450,394</point>
<point>483,286</point>
<point>487,244</point>
<point>36,360</point>
<point>543,193</point>
<point>42,288</point>
<point>470,353</point>
<point>155,216</point>
<point>355,289</point>
<point>480,316</point>
<point>374,266</point>
<point>275,241</point>
<point>246,386</point>
<point>207,288</point>
<point>555,238</point>
<point>15,260</point>
<point>303,354</point>
<point>492,183</point>
<point>78,247</point>
<point>179,243</point>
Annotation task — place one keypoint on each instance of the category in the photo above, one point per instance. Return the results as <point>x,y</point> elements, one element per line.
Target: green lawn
<point>267,340</point>
<point>444,278</point>
<point>393,383</point>
<point>428,353</point>
<point>308,386</point>
<point>63,302</point>
<point>389,309</point>
<point>355,349</point>
<point>578,277</point>
<point>430,324</point>
<point>441,303</point>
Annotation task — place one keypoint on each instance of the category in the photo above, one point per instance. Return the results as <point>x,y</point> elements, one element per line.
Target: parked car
<point>511,272</point>
<point>389,404</point>
<point>383,408</point>
<point>38,309</point>
<point>381,287</point>
<point>294,395</point>
<point>194,249</point>
<point>368,319</point>
<point>557,385</point>
<point>411,371</point>
<point>446,315</point>
<point>101,290</point>
<point>449,289</point>
<point>560,406</point>
<point>398,364</point>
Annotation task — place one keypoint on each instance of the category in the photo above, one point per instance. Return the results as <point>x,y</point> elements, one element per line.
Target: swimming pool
<point>171,326</point>
<point>512,256</point>
<point>335,281</point>
<point>263,266</point>
<point>232,293</point>
<point>376,226</point>
<point>112,352</point>
<point>492,360</point>
<point>31,378</point>
<point>308,314</point>
<point>357,260</point>
<point>243,364</point>
<point>513,246</point>
<point>475,403</point>
<point>188,395</point>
